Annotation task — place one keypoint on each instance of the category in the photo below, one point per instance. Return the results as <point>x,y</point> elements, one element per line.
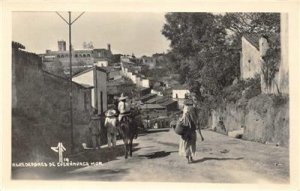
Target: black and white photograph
<point>167,97</point>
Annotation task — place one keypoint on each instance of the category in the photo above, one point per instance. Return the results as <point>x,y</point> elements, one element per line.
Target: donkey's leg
<point>126,147</point>
<point>130,146</point>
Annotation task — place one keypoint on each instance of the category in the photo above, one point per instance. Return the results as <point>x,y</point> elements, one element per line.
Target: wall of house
<point>179,94</point>
<point>100,89</point>
<point>40,110</point>
<point>102,63</point>
<point>87,79</point>
<point>250,61</point>
<point>145,83</point>
<point>135,78</point>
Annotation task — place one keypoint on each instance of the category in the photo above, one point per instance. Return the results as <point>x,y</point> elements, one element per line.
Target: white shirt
<point>123,107</point>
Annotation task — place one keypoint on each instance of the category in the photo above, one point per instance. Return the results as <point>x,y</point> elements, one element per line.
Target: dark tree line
<point>205,47</point>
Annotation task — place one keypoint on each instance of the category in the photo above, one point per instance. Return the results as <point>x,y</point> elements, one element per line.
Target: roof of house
<point>152,106</point>
<point>142,88</point>
<point>181,87</point>
<point>158,88</point>
<point>64,79</point>
<point>147,96</point>
<point>100,49</point>
<point>253,39</point>
<point>168,102</point>
<point>90,69</point>
<point>157,99</point>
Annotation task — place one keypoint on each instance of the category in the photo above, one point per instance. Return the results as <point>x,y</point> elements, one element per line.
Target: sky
<point>138,33</point>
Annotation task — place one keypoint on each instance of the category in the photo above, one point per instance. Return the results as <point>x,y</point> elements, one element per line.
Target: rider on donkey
<point>124,108</point>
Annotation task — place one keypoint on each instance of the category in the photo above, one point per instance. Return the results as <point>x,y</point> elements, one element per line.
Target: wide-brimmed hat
<point>111,113</point>
<point>188,102</point>
<point>122,97</point>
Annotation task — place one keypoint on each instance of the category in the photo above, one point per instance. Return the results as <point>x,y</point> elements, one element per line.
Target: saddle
<point>126,118</point>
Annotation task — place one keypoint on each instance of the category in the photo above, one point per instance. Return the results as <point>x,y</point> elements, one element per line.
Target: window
<point>101,99</point>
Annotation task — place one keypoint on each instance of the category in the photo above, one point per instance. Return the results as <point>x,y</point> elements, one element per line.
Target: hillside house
<point>180,92</point>
<point>96,78</point>
<point>254,47</point>
<point>134,75</point>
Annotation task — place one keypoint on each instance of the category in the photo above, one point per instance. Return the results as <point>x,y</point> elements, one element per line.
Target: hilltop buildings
<point>83,58</point>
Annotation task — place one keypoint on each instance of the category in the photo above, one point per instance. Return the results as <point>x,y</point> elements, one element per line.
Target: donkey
<point>128,128</point>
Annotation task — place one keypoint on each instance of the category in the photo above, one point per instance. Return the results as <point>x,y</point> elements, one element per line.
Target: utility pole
<point>69,23</point>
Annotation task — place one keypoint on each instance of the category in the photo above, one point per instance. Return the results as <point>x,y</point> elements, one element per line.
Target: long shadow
<point>219,159</point>
<point>159,154</point>
<point>104,154</point>
<point>168,144</point>
<point>151,131</point>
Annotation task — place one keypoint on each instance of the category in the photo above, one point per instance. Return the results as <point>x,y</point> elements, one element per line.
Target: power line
<point>69,23</point>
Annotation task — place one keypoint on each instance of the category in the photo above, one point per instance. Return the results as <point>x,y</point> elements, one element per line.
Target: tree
<point>205,47</point>
<point>200,51</point>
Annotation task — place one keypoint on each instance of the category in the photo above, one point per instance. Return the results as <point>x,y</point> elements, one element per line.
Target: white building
<point>180,93</point>
<point>102,63</point>
<point>135,77</point>
<point>97,78</point>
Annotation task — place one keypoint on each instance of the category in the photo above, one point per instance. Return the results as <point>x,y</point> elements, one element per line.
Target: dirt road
<point>220,159</point>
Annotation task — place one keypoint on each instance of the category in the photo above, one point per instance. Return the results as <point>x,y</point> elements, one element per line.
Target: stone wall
<point>263,119</point>
<point>41,103</point>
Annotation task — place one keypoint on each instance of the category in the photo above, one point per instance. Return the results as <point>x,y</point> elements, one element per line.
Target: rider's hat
<point>122,97</point>
<point>111,113</point>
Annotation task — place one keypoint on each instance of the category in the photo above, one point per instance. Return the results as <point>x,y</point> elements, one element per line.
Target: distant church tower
<point>61,45</point>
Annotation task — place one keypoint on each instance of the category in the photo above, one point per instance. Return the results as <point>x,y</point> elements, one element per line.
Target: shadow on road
<point>150,131</point>
<point>159,154</point>
<point>104,154</point>
<point>213,158</point>
<point>169,144</point>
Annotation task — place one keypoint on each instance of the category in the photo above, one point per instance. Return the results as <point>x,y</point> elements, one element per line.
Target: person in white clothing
<point>123,107</point>
<point>111,126</point>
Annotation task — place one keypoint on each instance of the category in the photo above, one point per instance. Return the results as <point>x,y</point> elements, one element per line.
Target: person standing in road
<point>187,144</point>
<point>111,127</point>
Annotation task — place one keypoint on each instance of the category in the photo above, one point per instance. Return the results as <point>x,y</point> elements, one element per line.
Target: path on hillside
<point>220,159</point>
